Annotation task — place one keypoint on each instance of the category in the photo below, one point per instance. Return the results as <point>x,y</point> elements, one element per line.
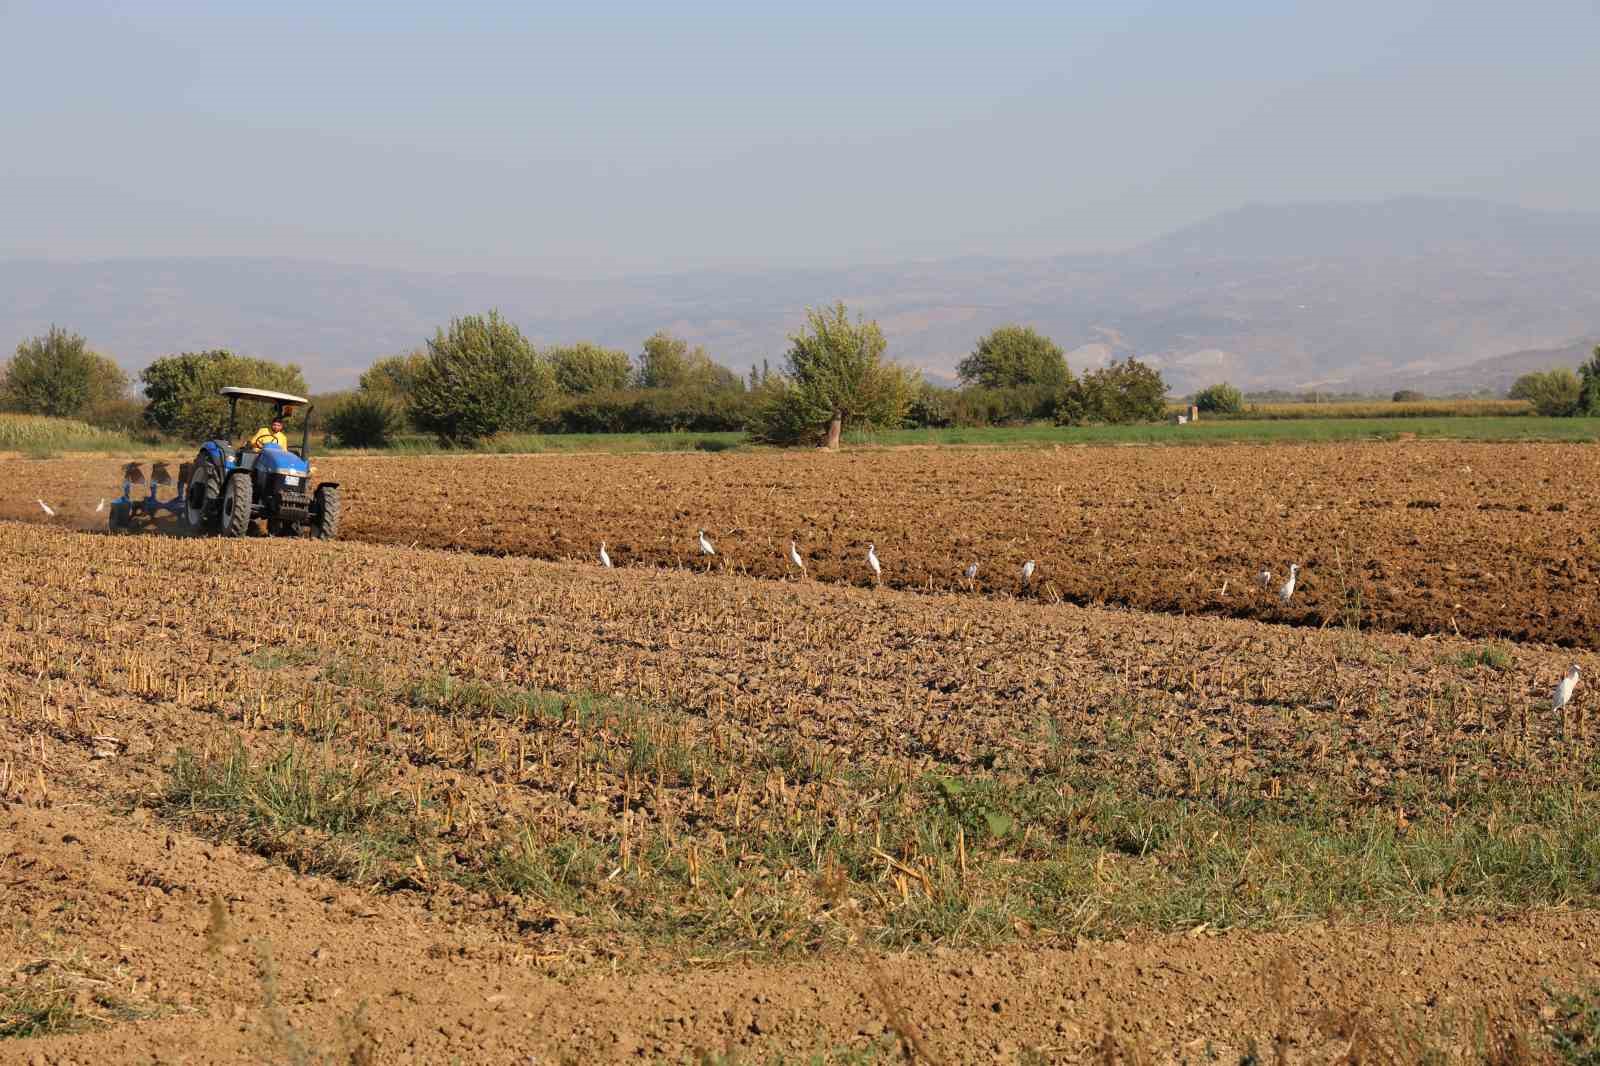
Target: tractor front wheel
<point>121,518</point>
<point>325,512</point>
<point>236,501</point>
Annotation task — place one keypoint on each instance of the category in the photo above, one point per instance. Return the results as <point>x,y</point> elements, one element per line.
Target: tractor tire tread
<point>237,497</point>
<point>326,526</point>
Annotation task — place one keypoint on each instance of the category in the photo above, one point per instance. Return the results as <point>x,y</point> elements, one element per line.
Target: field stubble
<point>1480,540</point>
<point>647,769</point>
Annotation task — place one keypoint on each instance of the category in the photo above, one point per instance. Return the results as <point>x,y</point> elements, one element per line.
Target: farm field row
<point>1485,540</point>
<point>526,771</point>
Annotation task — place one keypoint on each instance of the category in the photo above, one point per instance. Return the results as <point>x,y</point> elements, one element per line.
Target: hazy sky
<point>662,137</point>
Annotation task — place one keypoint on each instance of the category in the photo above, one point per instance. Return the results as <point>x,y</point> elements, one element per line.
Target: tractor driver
<point>270,434</point>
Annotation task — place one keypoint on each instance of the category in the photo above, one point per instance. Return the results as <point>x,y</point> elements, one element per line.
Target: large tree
<point>482,377</point>
<point>1013,356</point>
<point>835,375</point>
<point>58,375</point>
<point>181,390</point>
<point>586,367</point>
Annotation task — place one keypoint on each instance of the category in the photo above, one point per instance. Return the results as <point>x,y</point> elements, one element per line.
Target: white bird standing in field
<point>706,550</point>
<point>1265,578</point>
<point>794,557</point>
<point>872,561</point>
<point>970,572</point>
<point>1563,694</point>
<point>1027,572</point>
<point>1287,591</point>
<point>605,557</point>
<point>46,508</point>
<point>101,506</point>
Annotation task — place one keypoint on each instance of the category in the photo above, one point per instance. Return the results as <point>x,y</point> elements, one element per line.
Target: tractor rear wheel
<point>325,512</point>
<point>236,500</point>
<point>198,493</point>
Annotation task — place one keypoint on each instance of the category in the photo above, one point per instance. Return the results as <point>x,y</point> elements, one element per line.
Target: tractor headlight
<point>291,481</point>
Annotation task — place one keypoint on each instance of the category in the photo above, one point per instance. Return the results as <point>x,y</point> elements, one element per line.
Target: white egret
<point>1564,690</point>
<point>101,506</point>
<point>1027,572</point>
<point>794,557</point>
<point>872,561</point>
<point>605,558</point>
<point>970,572</point>
<point>705,545</point>
<point>1287,590</point>
<point>1265,578</point>
<point>47,508</point>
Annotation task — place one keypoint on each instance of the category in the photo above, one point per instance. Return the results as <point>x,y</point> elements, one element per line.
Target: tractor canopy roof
<point>265,395</point>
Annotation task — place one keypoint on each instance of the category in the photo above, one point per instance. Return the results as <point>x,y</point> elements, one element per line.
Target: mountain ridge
<point>1285,296</point>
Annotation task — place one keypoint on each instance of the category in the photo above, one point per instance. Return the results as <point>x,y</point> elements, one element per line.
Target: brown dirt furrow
<point>1487,540</point>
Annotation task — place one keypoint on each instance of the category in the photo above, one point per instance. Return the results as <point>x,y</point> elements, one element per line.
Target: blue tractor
<point>229,488</point>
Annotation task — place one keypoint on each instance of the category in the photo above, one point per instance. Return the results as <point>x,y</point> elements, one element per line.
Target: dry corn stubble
<point>1491,541</point>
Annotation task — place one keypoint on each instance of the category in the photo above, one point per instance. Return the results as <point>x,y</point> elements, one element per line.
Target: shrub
<point>1554,393</point>
<point>1118,394</point>
<point>1589,385</point>
<point>932,407</point>
<point>682,410</point>
<point>123,415</point>
<point>364,420</point>
<point>1408,396</point>
<point>482,377</point>
<point>1220,399</point>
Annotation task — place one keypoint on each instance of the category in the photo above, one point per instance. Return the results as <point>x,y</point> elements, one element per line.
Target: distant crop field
<point>34,433</point>
<point>1381,409</point>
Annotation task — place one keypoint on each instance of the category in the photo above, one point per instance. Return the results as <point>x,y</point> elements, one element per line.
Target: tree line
<point>480,377</point>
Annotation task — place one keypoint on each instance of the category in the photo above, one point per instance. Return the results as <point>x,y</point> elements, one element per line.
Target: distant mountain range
<point>1338,295</point>
<point>1495,374</point>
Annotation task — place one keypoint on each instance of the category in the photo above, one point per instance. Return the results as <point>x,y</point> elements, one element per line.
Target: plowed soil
<point>1487,540</point>
<point>132,901</point>
<point>180,938</point>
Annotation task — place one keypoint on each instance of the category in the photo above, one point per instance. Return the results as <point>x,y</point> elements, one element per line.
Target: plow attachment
<point>130,508</point>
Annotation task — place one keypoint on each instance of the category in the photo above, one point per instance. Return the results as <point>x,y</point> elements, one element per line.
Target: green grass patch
<point>694,838</point>
<point>1575,1028</point>
<point>1496,657</point>
<point>281,656</point>
<point>1251,431</point>
<point>319,814</point>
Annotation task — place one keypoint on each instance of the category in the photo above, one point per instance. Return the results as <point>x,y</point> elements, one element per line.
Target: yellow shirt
<point>264,436</point>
